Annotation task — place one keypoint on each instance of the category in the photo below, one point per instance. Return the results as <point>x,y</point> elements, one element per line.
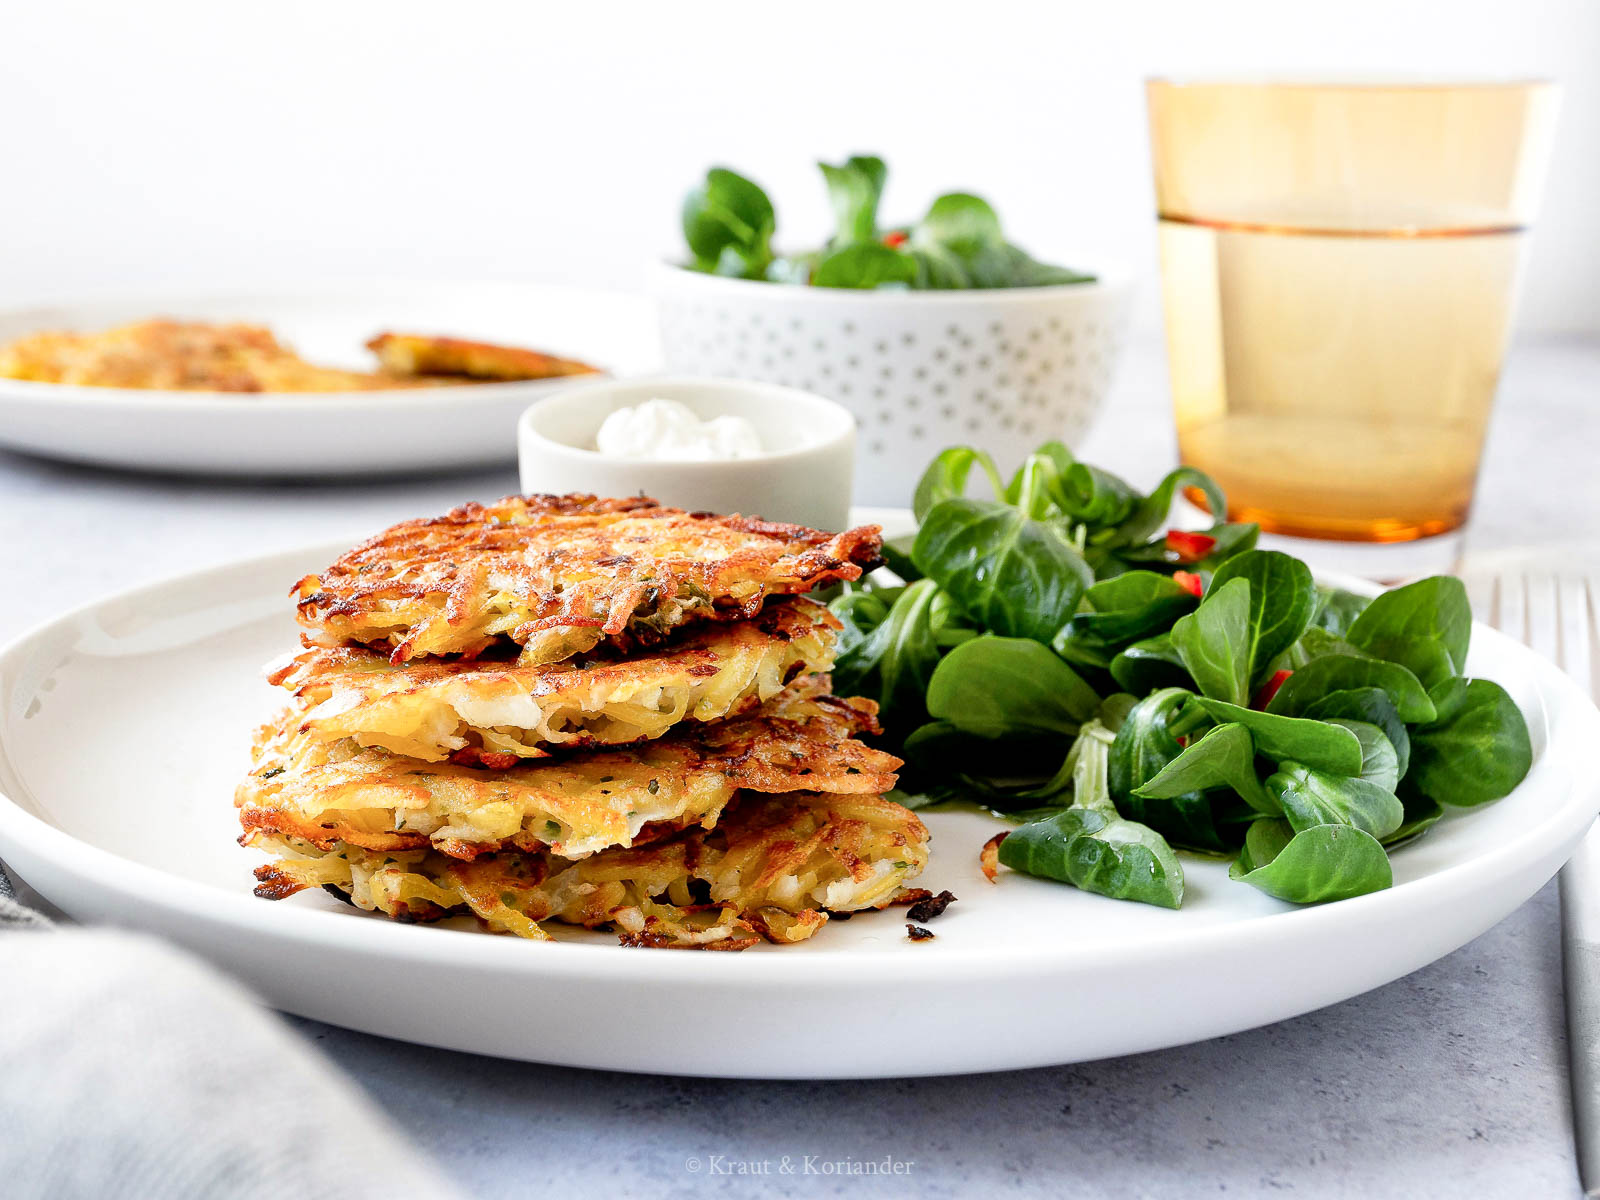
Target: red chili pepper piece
<point>1188,582</point>
<point>1189,547</point>
<point>1269,689</point>
<point>894,239</point>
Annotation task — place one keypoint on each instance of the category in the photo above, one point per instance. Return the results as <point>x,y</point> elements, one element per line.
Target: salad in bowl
<point>933,333</point>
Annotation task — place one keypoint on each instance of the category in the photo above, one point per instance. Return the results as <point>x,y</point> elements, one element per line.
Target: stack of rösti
<point>600,712</point>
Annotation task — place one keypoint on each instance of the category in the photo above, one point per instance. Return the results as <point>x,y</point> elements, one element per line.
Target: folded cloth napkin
<point>129,1068</point>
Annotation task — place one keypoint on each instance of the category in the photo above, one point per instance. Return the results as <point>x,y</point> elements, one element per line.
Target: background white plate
<point>124,727</point>
<point>337,434</point>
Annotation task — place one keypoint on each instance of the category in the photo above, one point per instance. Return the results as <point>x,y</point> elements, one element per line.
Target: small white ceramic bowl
<point>804,477</point>
<point>1004,369</point>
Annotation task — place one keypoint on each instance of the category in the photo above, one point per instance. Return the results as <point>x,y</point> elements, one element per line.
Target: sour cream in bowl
<point>703,444</point>
<point>670,431</point>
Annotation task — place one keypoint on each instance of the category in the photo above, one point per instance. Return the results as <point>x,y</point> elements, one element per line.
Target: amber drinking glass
<point>1339,263</point>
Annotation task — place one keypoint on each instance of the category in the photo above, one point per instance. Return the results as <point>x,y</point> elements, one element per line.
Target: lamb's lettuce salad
<point>729,223</point>
<point>1058,656</point>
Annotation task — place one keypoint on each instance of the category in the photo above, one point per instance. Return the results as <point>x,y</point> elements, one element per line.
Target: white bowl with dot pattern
<point>1004,369</point>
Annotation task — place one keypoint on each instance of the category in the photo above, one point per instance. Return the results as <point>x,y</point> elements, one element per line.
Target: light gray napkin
<point>129,1068</point>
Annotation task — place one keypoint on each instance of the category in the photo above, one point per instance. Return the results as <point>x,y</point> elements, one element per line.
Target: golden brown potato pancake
<point>774,867</point>
<point>559,574</point>
<point>341,792</point>
<point>182,356</point>
<point>407,355</point>
<point>495,713</point>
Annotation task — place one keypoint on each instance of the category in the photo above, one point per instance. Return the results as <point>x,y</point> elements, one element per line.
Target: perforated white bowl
<point>1004,369</point>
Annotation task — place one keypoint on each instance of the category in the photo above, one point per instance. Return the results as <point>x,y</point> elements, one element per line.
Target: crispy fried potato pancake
<point>179,356</point>
<point>559,574</point>
<point>341,792</point>
<point>408,355</point>
<point>774,867</point>
<point>493,714</point>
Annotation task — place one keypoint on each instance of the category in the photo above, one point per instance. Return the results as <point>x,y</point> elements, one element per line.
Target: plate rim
<point>34,393</point>
<point>94,868</point>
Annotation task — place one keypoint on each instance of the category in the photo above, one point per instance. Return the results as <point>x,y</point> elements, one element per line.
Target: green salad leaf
<point>1089,845</point>
<point>1023,270</point>
<point>728,222</point>
<point>1099,852</point>
<point>1337,609</point>
<point>1215,642</point>
<point>1282,598</point>
<point>1122,610</point>
<point>1341,672</point>
<point>1309,798</point>
<point>1152,510</point>
<point>1225,757</point>
<point>1011,574</point>
<point>887,650</point>
<point>864,265</point>
<point>946,479</point>
<point>1424,626</point>
<point>961,223</point>
<point>1150,664</point>
<point>1313,866</point>
<point>854,188</point>
<point>1096,497</point>
<point>1320,744</point>
<point>1145,748</point>
<point>1421,812</point>
<point>1477,747</point>
<point>1380,762</point>
<point>1145,744</point>
<point>1368,704</point>
<point>994,686</point>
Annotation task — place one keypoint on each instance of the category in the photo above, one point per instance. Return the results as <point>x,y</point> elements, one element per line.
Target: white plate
<point>124,727</point>
<point>340,434</point>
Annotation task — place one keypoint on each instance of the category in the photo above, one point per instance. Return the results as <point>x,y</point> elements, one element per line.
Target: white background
<point>229,145</point>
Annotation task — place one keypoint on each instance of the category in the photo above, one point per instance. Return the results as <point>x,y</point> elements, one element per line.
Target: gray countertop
<point>1450,1081</point>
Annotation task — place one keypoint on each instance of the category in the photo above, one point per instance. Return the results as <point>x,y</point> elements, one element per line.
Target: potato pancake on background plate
<point>407,355</point>
<point>162,354</point>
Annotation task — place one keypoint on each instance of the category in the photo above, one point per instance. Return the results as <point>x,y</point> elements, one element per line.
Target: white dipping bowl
<point>804,476</point>
<point>1000,368</point>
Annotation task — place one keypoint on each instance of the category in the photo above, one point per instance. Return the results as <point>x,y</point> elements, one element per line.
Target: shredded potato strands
<point>560,574</point>
<point>431,710</point>
<point>328,792</point>
<point>772,868</point>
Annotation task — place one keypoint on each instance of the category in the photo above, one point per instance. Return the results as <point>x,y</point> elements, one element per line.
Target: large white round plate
<point>124,727</point>
<point>338,434</point>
